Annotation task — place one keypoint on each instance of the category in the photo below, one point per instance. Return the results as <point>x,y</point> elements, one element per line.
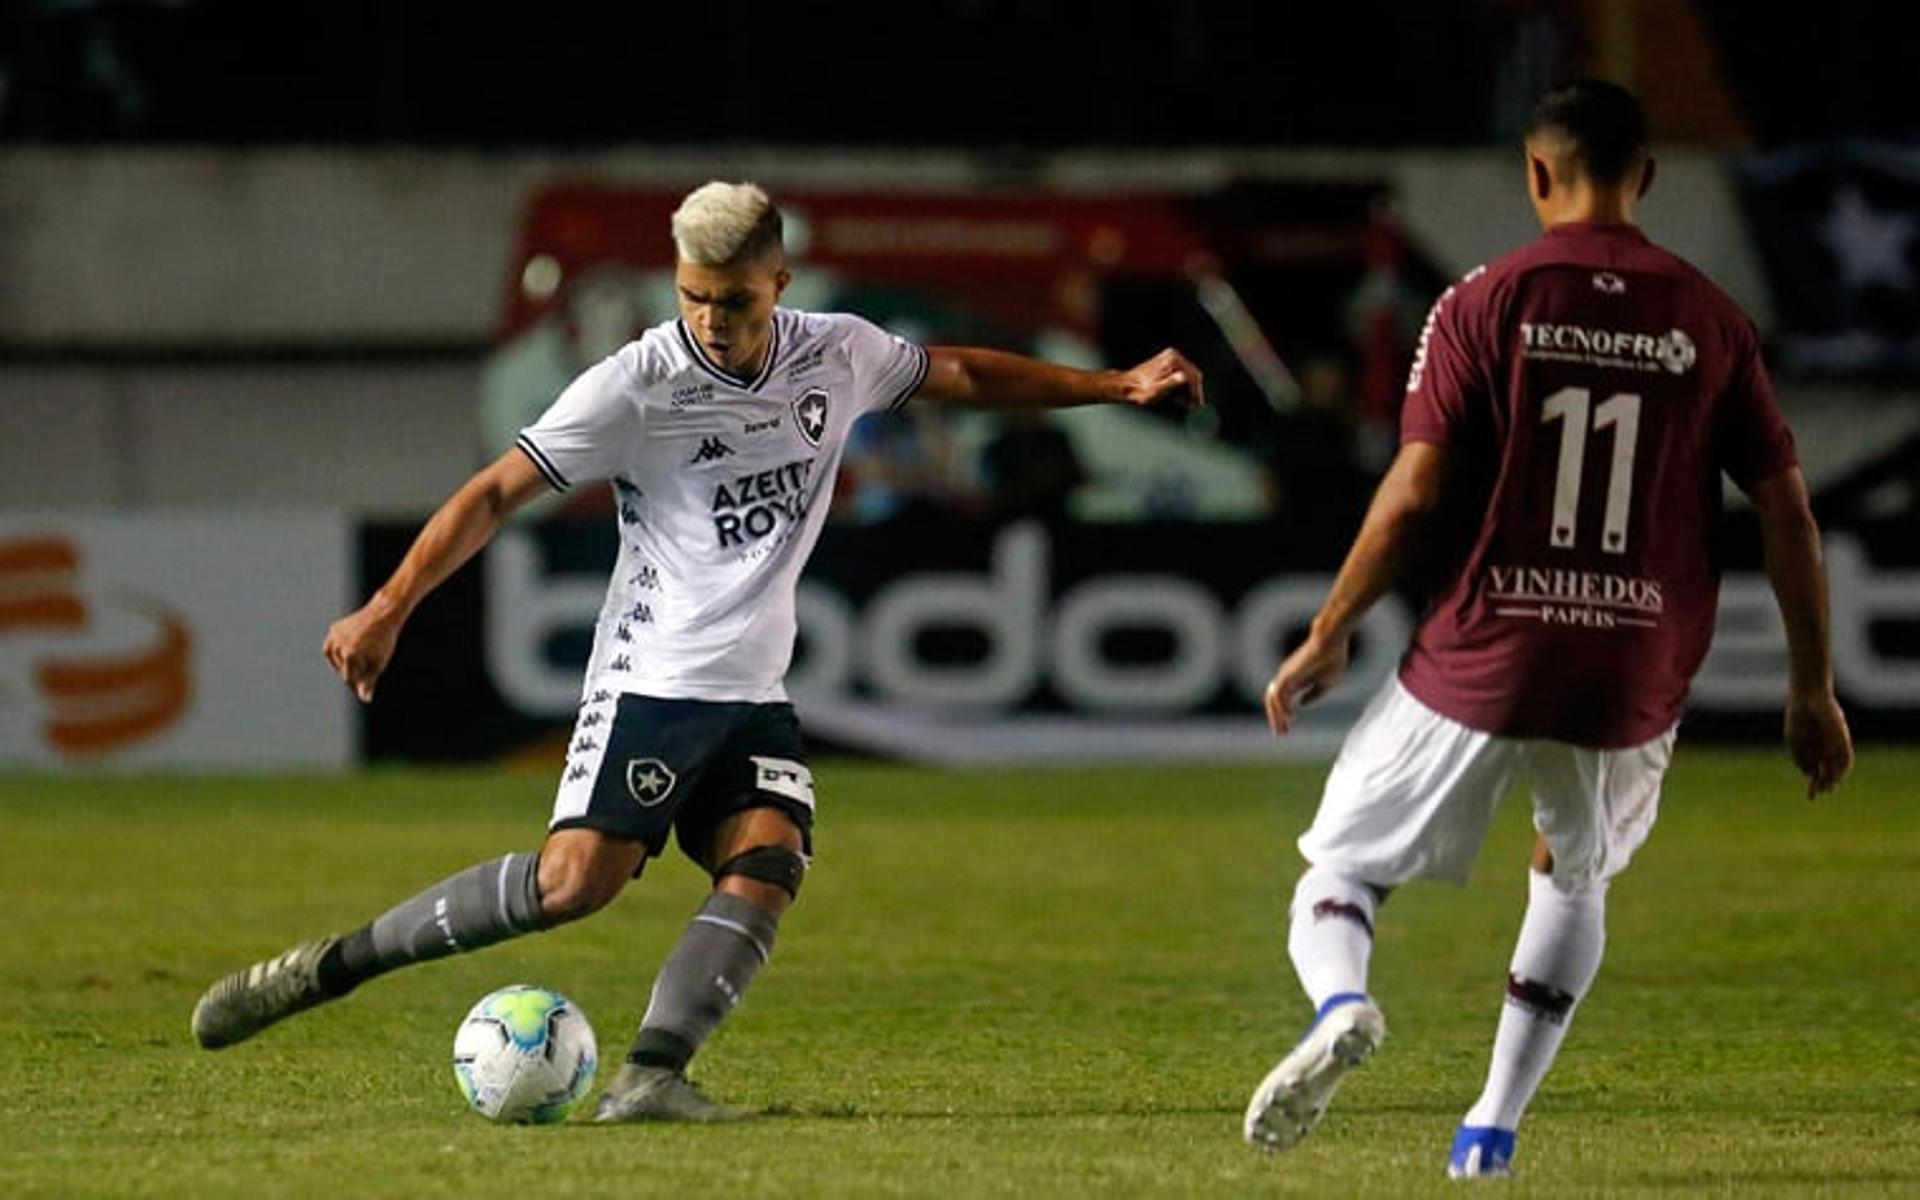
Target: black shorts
<point>639,765</point>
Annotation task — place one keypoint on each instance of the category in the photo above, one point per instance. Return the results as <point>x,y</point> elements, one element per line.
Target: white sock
<point>1330,933</point>
<point>1554,963</point>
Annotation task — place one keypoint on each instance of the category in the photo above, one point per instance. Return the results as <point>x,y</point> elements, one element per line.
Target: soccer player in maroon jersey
<point>1569,415</point>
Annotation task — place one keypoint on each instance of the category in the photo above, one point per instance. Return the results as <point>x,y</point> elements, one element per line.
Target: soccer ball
<point>524,1054</point>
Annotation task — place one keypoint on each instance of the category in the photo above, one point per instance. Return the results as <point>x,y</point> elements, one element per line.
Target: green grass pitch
<point>1059,982</point>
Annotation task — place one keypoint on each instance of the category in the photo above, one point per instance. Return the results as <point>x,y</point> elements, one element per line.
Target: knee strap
<point>775,865</point>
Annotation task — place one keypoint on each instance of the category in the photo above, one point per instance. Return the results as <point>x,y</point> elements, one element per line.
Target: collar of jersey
<point>721,373</point>
<point>1616,228</point>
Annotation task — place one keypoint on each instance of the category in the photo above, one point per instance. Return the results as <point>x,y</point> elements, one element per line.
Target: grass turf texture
<point>1032,983</point>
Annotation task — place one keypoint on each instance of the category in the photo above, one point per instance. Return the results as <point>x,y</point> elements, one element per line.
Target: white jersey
<point>722,484</point>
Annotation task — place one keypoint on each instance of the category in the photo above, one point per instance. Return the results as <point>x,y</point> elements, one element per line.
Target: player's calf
<point>724,946</point>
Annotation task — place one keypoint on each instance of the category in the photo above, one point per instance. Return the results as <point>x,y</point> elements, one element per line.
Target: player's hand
<point>1818,739</point>
<point>1166,376</point>
<point>359,645</point>
<point>1306,675</point>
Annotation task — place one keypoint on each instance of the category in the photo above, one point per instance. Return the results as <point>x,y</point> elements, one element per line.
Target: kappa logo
<point>649,781</point>
<point>1608,282</point>
<point>711,450</point>
<point>810,414</point>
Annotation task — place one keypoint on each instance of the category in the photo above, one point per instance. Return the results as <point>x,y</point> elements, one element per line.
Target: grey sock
<point>717,957</point>
<point>484,904</point>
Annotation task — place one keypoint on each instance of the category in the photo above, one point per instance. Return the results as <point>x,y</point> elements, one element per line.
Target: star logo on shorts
<point>649,781</point>
<point>810,414</point>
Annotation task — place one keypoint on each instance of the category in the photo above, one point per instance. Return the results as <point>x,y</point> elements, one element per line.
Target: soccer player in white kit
<point>720,433</point>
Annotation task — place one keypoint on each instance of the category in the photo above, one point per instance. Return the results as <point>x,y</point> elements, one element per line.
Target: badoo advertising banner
<point>961,643</point>
<point>965,643</point>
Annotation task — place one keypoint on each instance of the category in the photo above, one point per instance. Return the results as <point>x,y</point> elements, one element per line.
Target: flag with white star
<point>1838,231</point>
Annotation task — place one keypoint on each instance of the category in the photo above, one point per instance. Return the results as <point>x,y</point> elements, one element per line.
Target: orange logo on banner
<point>96,702</point>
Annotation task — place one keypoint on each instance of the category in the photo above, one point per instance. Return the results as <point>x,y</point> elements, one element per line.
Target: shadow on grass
<point>856,1112</point>
<point>1704,1180</point>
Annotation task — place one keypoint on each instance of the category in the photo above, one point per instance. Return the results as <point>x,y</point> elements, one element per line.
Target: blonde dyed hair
<point>724,224</point>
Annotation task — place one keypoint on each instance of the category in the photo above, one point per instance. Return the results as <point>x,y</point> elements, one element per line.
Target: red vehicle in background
<point>1300,300</point>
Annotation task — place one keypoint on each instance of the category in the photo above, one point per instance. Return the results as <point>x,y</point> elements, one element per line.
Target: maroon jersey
<point>1590,389</point>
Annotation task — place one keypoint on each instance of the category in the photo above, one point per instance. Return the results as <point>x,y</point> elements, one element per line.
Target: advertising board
<point>1032,643</point>
<point>181,640</point>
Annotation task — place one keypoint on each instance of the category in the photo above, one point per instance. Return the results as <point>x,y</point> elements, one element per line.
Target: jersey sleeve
<point>1446,374</point>
<point>1753,439</point>
<point>889,368</point>
<point>587,431</point>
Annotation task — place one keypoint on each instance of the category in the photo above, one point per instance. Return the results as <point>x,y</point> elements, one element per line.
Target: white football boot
<point>1291,1099</point>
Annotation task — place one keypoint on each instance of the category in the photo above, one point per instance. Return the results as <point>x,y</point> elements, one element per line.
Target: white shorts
<point>1412,794</point>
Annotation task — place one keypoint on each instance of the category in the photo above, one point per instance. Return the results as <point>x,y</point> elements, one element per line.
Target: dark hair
<point>1601,121</point>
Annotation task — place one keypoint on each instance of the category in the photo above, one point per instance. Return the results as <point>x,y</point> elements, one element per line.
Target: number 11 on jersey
<point>1571,407</point>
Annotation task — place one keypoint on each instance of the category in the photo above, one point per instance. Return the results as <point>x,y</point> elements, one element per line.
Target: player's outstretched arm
<point>995,379</point>
<point>1380,552</point>
<point>1816,728</point>
<point>359,644</point>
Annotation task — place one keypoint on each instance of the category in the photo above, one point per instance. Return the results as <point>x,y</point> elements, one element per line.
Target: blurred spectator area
<point>272,253</point>
<point>983,73</point>
<point>207,326</point>
<point>1244,277</point>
